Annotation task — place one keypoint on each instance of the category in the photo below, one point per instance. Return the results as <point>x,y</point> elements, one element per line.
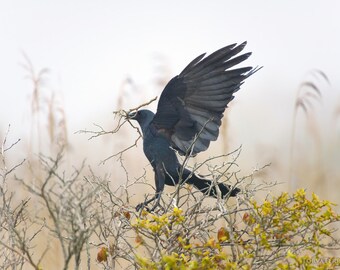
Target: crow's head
<point>143,117</point>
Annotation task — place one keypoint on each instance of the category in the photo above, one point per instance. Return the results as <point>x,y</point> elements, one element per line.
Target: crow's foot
<point>141,206</point>
<point>144,205</point>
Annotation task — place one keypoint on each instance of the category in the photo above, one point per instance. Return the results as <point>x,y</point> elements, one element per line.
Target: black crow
<point>188,117</point>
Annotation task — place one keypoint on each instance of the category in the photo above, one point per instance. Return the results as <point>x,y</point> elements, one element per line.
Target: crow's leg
<point>159,182</point>
<point>157,200</point>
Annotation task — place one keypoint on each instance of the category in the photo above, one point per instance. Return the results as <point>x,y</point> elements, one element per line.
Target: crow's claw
<point>141,206</point>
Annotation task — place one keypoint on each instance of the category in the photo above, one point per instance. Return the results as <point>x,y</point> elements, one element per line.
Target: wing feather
<point>192,104</point>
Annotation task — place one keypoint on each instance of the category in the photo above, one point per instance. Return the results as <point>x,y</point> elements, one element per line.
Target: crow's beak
<point>131,116</point>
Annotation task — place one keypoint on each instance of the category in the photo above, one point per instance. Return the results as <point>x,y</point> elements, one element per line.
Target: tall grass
<point>37,79</point>
<point>308,96</point>
<point>48,117</point>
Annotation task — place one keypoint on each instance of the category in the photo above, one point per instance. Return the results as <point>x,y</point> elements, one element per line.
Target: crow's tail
<point>207,187</point>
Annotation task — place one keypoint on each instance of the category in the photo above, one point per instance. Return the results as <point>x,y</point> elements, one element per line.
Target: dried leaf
<point>127,214</point>
<point>222,235</point>
<point>102,255</point>
<point>138,240</point>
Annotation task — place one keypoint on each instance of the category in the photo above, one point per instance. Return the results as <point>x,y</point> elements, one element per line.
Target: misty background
<point>103,56</point>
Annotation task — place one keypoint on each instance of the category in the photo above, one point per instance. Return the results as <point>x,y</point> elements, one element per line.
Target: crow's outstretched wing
<point>192,104</point>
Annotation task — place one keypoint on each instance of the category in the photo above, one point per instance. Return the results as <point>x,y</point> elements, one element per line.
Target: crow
<point>188,118</point>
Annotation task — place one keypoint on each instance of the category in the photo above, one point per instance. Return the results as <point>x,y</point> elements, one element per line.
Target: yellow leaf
<point>300,194</point>
<point>257,229</point>
<point>248,219</point>
<point>290,254</point>
<point>267,208</point>
<point>210,243</point>
<point>177,211</point>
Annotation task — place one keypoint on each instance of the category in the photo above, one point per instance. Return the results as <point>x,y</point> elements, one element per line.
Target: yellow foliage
<point>286,227</point>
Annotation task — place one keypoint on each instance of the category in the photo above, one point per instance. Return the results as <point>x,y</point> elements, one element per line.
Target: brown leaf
<point>102,255</point>
<point>248,219</point>
<point>222,234</point>
<point>127,214</point>
<point>138,240</point>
